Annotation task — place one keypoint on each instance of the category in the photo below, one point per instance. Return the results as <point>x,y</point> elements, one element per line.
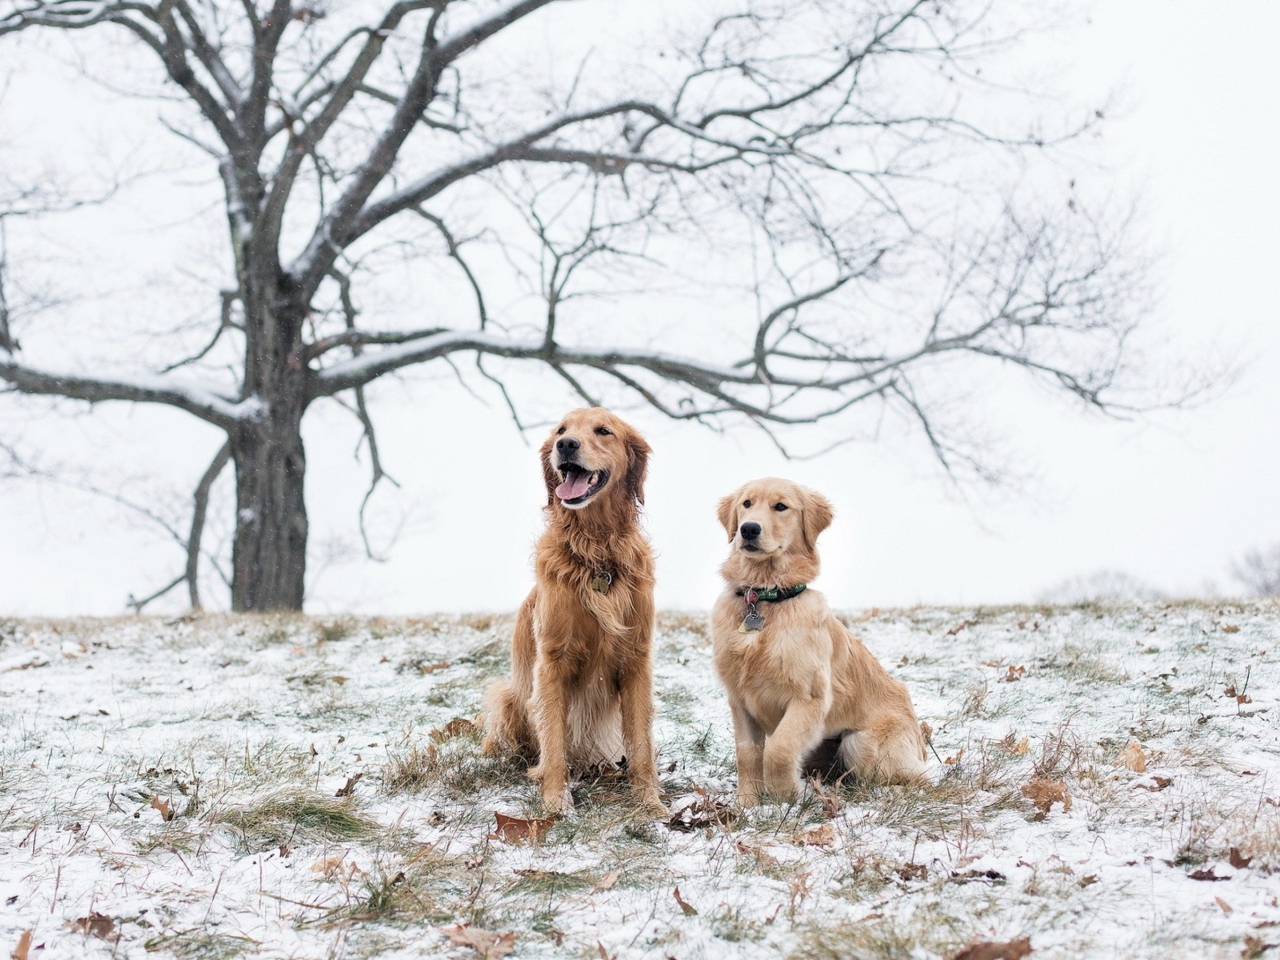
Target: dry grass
<point>849,870</point>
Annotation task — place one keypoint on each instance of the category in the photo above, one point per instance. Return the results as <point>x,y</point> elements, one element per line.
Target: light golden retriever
<point>581,692</point>
<point>794,673</point>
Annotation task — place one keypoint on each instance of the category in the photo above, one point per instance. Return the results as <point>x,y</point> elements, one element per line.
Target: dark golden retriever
<point>795,674</point>
<point>581,691</point>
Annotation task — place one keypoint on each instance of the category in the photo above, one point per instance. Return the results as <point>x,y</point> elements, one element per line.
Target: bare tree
<point>1259,571</point>
<point>819,156</point>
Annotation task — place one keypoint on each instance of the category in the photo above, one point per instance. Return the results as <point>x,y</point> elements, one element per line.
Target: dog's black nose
<point>567,445</point>
<point>750,531</point>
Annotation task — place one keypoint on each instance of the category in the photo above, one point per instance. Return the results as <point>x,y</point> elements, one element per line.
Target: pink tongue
<point>574,487</point>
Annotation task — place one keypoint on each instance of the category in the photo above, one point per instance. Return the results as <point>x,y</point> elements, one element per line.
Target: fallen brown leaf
<point>1044,793</point>
<point>1014,675</point>
<point>958,627</point>
<point>1255,947</point>
<point>519,830</point>
<point>988,950</point>
<point>1230,628</point>
<point>350,787</point>
<point>950,761</point>
<point>454,728</point>
<point>95,925</point>
<point>1238,859</point>
<point>329,865</point>
<point>685,906</point>
<point>764,858</point>
<point>607,881</point>
<point>166,813</point>
<point>24,945</point>
<point>1205,874</point>
<point>913,871</point>
<point>1133,758</point>
<point>1157,784</point>
<point>993,877</point>
<point>1088,881</point>
<point>433,667</point>
<point>487,943</point>
<point>699,809</point>
<point>1224,906</point>
<point>822,835</point>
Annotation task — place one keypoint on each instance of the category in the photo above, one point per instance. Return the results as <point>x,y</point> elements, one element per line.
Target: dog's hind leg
<point>886,751</point>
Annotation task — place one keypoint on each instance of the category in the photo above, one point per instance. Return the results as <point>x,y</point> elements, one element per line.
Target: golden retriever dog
<point>581,692</point>
<point>794,673</point>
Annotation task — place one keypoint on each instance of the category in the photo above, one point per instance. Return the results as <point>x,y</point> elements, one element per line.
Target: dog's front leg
<point>636,690</point>
<point>749,740</point>
<point>553,710</point>
<point>797,734</point>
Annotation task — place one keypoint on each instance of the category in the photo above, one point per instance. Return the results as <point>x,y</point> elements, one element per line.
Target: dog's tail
<point>506,723</point>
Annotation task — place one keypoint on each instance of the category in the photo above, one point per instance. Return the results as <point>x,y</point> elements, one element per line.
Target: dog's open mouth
<point>580,485</point>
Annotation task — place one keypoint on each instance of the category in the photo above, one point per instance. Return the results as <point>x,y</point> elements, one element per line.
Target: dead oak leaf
<point>488,944</point>
<point>95,925</point>
<point>1255,947</point>
<point>822,835</point>
<point>1014,675</point>
<point>454,728</point>
<point>607,881</point>
<point>1223,906</point>
<point>1133,757</point>
<point>350,787</point>
<point>1206,874</point>
<point>913,871</point>
<point>699,809</point>
<point>685,907</point>
<point>990,950</point>
<point>1157,784</point>
<point>1238,859</point>
<point>520,830</point>
<point>1044,793</point>
<point>166,812</point>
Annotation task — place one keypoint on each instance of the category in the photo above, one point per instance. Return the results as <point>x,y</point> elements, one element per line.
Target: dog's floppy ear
<point>815,517</point>
<point>549,475</point>
<point>637,465</point>
<point>727,515</point>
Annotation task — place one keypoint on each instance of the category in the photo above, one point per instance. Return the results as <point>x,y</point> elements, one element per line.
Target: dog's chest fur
<point>784,661</point>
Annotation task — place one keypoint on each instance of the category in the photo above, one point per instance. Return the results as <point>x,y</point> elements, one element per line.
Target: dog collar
<point>754,595</point>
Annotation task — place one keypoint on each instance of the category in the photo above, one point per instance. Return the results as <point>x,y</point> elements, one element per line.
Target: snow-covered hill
<point>294,787</point>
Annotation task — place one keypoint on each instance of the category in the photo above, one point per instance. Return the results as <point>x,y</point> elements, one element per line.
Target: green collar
<point>757,594</point>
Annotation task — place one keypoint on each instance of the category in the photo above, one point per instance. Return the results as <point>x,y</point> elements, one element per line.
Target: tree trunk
<point>269,558</point>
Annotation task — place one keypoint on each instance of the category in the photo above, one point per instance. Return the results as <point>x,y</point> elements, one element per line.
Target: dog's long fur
<point>803,677</point>
<point>581,691</point>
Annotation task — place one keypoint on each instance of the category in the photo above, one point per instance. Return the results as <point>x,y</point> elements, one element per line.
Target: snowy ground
<point>242,730</point>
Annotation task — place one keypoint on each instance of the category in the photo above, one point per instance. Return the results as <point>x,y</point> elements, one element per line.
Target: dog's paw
<point>556,803</point>
<point>747,799</point>
<point>653,806</point>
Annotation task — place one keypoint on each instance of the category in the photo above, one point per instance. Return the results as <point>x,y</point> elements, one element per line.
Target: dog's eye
<point>746,503</point>
<point>604,431</point>
<point>779,507</point>
<point>560,431</point>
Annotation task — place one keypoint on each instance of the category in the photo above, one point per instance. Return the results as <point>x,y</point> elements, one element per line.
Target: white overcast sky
<point>1171,499</point>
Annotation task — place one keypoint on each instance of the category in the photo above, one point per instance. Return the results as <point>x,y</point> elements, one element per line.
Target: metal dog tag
<point>602,582</point>
<point>751,622</point>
